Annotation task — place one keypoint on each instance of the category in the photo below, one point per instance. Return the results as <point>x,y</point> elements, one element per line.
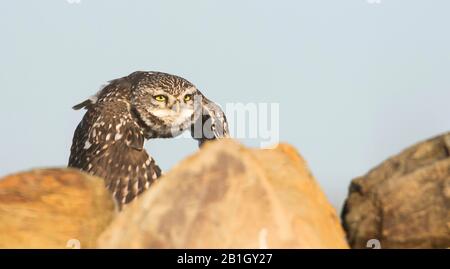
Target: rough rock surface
<point>404,202</point>
<point>53,208</point>
<point>228,196</point>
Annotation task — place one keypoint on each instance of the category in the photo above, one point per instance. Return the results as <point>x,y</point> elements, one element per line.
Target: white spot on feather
<point>136,186</point>
<point>87,144</point>
<point>118,136</point>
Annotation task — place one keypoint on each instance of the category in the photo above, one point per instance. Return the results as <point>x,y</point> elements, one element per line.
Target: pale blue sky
<point>356,82</point>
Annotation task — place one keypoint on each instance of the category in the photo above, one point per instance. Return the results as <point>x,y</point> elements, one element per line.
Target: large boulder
<point>228,196</point>
<point>405,201</point>
<point>53,208</point>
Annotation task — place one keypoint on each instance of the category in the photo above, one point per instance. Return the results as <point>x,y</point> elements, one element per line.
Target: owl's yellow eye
<point>188,97</point>
<point>160,98</point>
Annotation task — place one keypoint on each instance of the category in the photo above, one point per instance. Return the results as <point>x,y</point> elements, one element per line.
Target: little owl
<point>109,141</point>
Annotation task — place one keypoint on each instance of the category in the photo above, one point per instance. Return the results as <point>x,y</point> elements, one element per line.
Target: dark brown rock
<point>404,202</point>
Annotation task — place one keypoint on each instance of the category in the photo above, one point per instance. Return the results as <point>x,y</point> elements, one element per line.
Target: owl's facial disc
<point>173,110</point>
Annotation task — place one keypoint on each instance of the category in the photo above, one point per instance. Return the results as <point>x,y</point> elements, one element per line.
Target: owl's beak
<point>176,107</point>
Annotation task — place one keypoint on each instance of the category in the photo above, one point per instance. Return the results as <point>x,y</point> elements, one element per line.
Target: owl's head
<point>163,101</point>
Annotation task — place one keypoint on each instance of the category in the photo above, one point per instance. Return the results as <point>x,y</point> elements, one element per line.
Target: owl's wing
<point>210,122</point>
<point>108,144</point>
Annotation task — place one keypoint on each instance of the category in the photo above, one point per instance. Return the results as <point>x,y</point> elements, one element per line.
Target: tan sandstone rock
<point>228,196</point>
<point>53,208</point>
<point>404,202</point>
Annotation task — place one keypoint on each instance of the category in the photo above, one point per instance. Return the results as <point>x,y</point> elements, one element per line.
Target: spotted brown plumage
<point>109,141</point>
